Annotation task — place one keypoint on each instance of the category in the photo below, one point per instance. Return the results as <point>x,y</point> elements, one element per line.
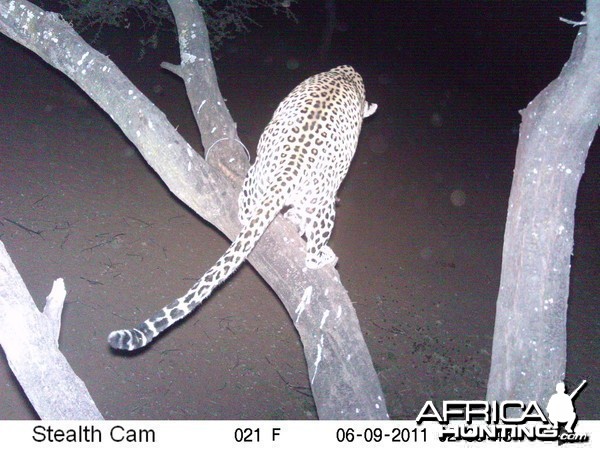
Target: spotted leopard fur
<point>303,156</point>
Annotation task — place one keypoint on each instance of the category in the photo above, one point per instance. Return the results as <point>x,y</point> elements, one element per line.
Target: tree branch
<point>198,74</point>
<point>30,341</point>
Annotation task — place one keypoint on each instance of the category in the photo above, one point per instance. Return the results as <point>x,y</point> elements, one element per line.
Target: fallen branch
<point>30,341</point>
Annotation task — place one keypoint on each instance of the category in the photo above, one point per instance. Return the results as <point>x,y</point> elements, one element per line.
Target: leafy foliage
<point>224,18</point>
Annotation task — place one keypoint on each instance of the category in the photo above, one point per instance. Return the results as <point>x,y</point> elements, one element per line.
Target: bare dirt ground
<point>418,232</point>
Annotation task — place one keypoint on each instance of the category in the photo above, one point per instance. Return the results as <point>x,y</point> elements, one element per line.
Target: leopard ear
<point>369,109</point>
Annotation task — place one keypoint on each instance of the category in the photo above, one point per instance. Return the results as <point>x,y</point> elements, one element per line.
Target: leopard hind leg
<point>318,231</point>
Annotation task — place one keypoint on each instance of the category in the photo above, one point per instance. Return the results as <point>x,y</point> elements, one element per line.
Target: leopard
<point>303,155</point>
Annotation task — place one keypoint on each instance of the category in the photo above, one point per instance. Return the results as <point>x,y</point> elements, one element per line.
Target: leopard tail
<point>236,254</point>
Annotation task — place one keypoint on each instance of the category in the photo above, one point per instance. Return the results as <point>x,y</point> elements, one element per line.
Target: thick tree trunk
<point>529,348</point>
<point>344,381</point>
<point>30,340</point>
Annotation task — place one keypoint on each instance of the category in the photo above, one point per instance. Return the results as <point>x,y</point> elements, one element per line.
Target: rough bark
<point>223,147</point>
<point>30,341</point>
<point>344,381</point>
<point>529,347</point>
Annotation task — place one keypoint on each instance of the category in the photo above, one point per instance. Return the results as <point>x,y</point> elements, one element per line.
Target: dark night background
<point>418,231</point>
